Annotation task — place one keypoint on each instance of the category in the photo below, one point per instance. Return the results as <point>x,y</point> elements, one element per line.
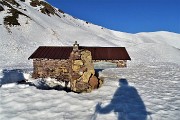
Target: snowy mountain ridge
<point>27,24</point>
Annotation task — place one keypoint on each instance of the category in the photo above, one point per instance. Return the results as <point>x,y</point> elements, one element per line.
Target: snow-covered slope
<point>36,27</point>
<point>153,74</point>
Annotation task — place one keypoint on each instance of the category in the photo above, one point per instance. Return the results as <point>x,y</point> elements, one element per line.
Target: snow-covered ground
<point>148,89</point>
<point>153,93</point>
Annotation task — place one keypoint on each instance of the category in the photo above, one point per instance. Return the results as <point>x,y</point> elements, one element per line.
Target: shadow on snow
<point>11,76</point>
<point>126,103</point>
<point>17,76</point>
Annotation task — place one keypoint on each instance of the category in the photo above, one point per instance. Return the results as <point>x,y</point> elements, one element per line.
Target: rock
<point>75,76</point>
<point>78,62</point>
<point>86,76</point>
<point>82,72</point>
<point>76,68</point>
<point>81,87</point>
<point>94,82</point>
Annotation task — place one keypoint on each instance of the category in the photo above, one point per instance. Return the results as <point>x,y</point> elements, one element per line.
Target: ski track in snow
<point>157,97</point>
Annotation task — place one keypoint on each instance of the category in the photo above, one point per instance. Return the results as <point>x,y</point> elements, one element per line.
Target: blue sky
<point>130,16</point>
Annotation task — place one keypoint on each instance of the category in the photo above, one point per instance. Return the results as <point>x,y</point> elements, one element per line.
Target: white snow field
<point>148,89</point>
<point>152,94</point>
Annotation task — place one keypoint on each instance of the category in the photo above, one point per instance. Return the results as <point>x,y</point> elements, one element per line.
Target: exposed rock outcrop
<point>14,10</point>
<point>46,9</point>
<point>1,8</point>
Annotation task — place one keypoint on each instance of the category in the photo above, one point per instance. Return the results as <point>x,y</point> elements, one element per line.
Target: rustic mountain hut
<point>54,62</point>
<point>75,64</point>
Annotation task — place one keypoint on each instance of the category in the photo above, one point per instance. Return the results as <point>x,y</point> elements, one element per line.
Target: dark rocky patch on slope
<point>13,2</point>
<point>12,18</point>
<point>47,9</point>
<point>35,3</point>
<point>1,8</point>
<point>22,0</point>
<point>61,11</point>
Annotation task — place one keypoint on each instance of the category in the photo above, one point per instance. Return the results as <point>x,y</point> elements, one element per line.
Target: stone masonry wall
<point>82,72</point>
<point>58,69</point>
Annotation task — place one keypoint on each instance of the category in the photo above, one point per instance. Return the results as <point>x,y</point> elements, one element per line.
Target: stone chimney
<point>75,46</point>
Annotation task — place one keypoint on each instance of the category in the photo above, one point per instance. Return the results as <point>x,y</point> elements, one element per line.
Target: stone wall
<point>58,69</point>
<point>82,72</point>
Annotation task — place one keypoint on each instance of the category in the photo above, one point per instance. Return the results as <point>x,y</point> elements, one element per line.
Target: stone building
<point>75,64</point>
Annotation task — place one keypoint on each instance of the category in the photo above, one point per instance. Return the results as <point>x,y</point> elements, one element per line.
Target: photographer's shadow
<point>126,103</point>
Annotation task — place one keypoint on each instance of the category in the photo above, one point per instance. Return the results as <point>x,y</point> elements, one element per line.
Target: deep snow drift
<point>148,88</point>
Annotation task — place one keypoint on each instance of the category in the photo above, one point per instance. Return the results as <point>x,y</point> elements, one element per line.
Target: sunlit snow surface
<point>153,93</point>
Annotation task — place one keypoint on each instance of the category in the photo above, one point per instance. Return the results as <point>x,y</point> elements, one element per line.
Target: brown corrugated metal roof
<point>98,53</point>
